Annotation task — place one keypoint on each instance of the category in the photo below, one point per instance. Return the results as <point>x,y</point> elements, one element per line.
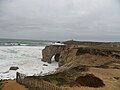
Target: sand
<point>13,85</point>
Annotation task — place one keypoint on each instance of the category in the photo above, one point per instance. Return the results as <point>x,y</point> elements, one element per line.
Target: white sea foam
<point>27,58</point>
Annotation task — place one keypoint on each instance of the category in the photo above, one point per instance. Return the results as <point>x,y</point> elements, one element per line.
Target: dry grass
<point>110,77</point>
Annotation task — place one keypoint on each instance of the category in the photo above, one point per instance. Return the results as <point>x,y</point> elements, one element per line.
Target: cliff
<point>82,53</point>
<point>84,65</point>
<point>88,57</point>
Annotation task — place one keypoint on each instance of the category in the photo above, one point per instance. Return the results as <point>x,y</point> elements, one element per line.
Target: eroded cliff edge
<point>84,66</point>
<point>88,54</point>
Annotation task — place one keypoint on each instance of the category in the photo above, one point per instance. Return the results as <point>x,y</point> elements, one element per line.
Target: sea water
<point>24,54</point>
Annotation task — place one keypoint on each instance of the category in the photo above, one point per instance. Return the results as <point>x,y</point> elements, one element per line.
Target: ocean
<point>23,42</point>
<point>26,55</point>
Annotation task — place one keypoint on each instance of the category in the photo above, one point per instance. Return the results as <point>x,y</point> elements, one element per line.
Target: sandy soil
<point>108,77</point>
<point>13,85</point>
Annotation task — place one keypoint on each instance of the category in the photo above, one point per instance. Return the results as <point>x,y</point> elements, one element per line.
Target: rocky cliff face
<point>50,51</point>
<point>71,55</point>
<point>85,65</point>
<point>102,45</point>
<point>110,44</point>
<point>88,56</point>
<point>99,52</point>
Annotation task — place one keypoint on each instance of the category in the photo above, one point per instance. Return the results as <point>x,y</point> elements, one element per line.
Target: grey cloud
<point>60,19</point>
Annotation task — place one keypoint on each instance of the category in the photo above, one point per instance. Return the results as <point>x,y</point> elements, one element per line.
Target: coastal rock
<point>88,56</point>
<point>45,65</point>
<point>57,57</point>
<point>50,51</point>
<point>98,44</point>
<point>82,53</point>
<point>14,68</point>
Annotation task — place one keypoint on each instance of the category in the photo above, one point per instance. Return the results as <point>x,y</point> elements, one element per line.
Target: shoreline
<point>23,57</point>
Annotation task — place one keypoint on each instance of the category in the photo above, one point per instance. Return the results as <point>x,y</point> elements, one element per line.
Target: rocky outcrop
<point>91,65</point>
<point>50,51</point>
<point>100,52</point>
<point>110,44</point>
<point>87,56</point>
<point>14,68</point>
<point>100,45</point>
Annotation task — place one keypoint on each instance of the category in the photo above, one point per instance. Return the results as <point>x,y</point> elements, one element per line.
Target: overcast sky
<point>96,20</point>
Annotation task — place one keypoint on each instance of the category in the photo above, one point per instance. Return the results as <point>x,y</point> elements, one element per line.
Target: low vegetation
<point>76,76</point>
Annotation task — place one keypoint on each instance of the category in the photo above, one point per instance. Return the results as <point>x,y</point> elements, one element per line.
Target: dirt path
<point>13,85</point>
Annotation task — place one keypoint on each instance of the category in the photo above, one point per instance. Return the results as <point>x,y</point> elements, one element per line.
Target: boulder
<point>14,68</point>
<point>45,65</point>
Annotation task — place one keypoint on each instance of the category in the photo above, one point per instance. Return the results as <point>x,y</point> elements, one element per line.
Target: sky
<point>90,20</point>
